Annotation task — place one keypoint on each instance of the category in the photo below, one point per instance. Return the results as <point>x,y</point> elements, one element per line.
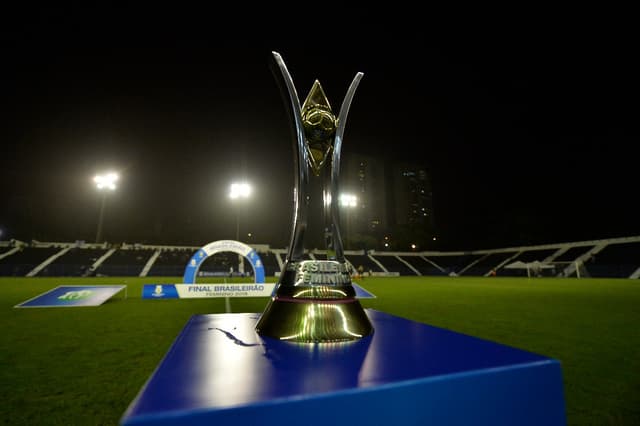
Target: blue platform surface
<point>362,293</point>
<point>219,371</point>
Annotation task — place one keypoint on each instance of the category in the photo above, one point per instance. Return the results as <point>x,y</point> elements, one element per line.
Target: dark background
<point>525,128</point>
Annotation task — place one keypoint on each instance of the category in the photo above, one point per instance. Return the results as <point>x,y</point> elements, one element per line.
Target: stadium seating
<point>600,258</point>
<point>171,263</point>
<point>392,264</point>
<point>21,263</point>
<point>486,263</point>
<point>615,260</point>
<point>124,263</point>
<point>453,264</point>
<point>269,263</point>
<point>572,254</point>
<point>422,265</point>
<point>76,262</point>
<point>367,264</point>
<point>219,264</point>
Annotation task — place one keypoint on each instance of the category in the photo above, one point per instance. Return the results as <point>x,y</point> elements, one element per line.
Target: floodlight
<point>348,200</point>
<point>106,181</point>
<point>240,190</point>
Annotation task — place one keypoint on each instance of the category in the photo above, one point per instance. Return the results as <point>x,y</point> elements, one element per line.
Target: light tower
<point>105,183</point>
<point>239,191</point>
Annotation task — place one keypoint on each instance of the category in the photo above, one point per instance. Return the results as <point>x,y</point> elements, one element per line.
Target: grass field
<point>83,366</point>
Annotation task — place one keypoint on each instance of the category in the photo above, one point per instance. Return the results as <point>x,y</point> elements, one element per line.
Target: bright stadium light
<point>104,183</point>
<point>348,200</point>
<point>240,190</point>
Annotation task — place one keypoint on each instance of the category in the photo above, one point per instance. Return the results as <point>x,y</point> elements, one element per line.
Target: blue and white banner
<point>66,296</point>
<point>192,291</point>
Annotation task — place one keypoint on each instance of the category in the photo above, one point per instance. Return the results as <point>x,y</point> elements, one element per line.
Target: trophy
<point>314,300</point>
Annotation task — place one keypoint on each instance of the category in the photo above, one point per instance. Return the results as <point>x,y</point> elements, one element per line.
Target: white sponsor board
<point>193,291</point>
<point>188,291</point>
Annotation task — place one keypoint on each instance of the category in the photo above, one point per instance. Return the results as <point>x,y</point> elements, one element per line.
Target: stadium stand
<point>7,249</point>
<point>423,265</point>
<point>393,264</point>
<point>615,257</point>
<point>171,263</point>
<point>453,264</point>
<point>248,269</point>
<point>615,260</point>
<point>219,264</point>
<point>529,256</point>
<point>571,254</point>
<point>486,263</point>
<point>367,264</point>
<point>24,261</point>
<point>74,263</point>
<point>124,263</point>
<point>270,263</point>
<point>533,255</point>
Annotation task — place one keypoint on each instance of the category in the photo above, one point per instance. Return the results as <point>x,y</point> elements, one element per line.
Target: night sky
<point>526,132</point>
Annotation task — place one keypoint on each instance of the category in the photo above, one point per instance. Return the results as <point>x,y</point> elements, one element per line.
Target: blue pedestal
<point>219,371</point>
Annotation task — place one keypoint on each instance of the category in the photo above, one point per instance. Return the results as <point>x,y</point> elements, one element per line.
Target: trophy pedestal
<point>219,371</point>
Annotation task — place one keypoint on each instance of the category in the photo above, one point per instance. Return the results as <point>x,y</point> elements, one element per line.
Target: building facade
<point>393,206</point>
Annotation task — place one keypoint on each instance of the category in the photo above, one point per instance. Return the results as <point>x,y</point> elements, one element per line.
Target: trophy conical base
<point>312,320</point>
<point>315,302</point>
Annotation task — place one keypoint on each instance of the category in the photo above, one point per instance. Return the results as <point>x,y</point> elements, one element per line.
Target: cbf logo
<point>76,295</point>
<point>158,291</point>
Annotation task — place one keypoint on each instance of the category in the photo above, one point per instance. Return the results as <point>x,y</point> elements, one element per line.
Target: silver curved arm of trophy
<point>335,169</point>
<point>301,178</point>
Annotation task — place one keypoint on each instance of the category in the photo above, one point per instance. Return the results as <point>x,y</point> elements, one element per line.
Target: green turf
<point>85,365</point>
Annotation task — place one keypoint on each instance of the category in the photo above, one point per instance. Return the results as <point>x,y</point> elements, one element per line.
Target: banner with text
<point>192,291</point>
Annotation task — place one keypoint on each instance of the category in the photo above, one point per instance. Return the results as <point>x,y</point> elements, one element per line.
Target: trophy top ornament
<point>319,124</point>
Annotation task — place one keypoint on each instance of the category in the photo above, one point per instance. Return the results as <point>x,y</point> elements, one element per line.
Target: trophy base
<point>313,321</point>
